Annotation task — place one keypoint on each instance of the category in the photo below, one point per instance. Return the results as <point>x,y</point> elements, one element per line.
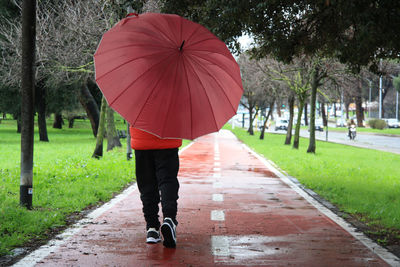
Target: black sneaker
<point>168,230</point>
<point>153,236</point>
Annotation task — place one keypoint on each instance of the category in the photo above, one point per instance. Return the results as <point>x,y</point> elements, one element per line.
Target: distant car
<point>281,124</point>
<point>319,126</point>
<point>392,123</point>
<point>341,123</point>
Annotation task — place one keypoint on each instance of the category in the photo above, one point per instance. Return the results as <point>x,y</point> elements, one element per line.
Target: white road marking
<point>38,255</point>
<point>218,197</point>
<point>217,215</point>
<point>216,163</point>
<point>217,185</point>
<point>216,175</point>
<point>220,245</point>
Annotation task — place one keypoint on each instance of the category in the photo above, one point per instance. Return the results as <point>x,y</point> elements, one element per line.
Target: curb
<point>327,209</point>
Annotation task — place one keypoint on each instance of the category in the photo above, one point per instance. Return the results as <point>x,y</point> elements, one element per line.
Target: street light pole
<point>397,105</point>
<point>380,93</point>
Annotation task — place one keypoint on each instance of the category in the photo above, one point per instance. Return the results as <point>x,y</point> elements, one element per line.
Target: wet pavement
<point>235,209</point>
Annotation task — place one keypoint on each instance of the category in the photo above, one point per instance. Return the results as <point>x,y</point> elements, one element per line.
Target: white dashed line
<point>220,245</point>
<point>218,197</point>
<point>217,215</point>
<point>217,185</point>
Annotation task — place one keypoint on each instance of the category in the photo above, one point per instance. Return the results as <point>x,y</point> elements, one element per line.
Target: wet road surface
<point>233,211</point>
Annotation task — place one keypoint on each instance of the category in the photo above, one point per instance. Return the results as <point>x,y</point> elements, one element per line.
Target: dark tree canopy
<point>358,33</point>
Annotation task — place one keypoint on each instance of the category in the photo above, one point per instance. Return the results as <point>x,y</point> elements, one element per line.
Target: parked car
<point>341,123</point>
<point>392,123</point>
<point>319,125</point>
<point>281,124</point>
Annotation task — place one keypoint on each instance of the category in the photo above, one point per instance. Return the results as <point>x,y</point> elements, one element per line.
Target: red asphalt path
<point>233,210</point>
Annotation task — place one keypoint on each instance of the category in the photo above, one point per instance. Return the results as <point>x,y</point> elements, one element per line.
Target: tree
<point>254,84</point>
<point>27,89</point>
<point>98,150</point>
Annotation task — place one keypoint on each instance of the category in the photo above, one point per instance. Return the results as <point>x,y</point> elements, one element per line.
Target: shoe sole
<point>168,235</point>
<point>152,240</point>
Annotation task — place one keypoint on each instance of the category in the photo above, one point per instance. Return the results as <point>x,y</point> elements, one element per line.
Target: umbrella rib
<point>152,90</point>
<point>193,33</point>
<point>130,45</point>
<point>190,99</point>
<point>129,61</point>
<point>162,40</point>
<point>170,102</point>
<point>196,55</point>
<point>161,32</point>
<point>219,84</point>
<point>208,98</point>
<point>149,69</point>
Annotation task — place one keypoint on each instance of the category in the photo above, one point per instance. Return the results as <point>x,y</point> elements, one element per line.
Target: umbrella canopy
<point>168,76</point>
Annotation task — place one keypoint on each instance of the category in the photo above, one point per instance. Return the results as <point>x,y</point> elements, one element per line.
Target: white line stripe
<point>217,185</point>
<point>218,197</point>
<point>387,256</point>
<point>217,169</point>
<point>38,255</point>
<point>220,245</point>
<point>217,164</point>
<point>217,215</point>
<point>217,175</point>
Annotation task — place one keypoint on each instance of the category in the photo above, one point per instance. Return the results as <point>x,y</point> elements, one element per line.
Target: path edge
<point>307,194</point>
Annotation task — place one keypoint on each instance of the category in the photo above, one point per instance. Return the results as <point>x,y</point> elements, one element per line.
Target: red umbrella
<point>168,76</point>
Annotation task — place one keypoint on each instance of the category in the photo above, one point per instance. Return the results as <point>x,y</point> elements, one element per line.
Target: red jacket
<point>141,140</point>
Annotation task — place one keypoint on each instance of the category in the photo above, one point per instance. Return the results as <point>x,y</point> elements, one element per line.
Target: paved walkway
<point>234,209</point>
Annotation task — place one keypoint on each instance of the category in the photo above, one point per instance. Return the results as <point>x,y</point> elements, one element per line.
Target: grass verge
<point>361,182</point>
<point>66,180</point>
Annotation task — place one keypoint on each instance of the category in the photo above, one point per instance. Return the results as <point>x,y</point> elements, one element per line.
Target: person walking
<point>157,166</point>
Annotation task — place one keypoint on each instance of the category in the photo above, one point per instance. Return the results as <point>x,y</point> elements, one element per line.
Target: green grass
<point>359,181</point>
<point>66,180</point>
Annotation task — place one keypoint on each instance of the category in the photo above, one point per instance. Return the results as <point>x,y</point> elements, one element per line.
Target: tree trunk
<point>112,134</point>
<point>359,108</point>
<point>305,114</point>
<point>98,150</point>
<point>19,127</point>
<point>40,95</point>
<point>324,117</point>
<point>296,140</point>
<point>71,121</point>
<point>89,104</point>
<point>314,87</point>
<point>58,121</point>
<point>27,100</point>
<point>251,120</point>
<point>288,139</point>
<point>271,107</point>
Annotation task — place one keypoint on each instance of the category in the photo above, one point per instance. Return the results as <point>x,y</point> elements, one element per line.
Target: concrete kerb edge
<point>325,208</point>
<point>42,252</point>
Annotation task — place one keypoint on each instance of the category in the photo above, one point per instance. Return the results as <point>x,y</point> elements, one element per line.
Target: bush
<point>377,124</point>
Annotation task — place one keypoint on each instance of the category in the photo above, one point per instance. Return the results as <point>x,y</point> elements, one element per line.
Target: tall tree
<point>27,89</point>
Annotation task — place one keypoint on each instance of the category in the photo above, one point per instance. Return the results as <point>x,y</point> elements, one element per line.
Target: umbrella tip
<point>180,48</point>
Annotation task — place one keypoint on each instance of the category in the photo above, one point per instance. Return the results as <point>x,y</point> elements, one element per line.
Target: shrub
<point>377,124</point>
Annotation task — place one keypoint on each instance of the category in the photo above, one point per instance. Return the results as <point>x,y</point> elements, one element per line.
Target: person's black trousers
<point>156,177</point>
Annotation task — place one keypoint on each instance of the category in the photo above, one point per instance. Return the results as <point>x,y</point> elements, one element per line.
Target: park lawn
<point>362,182</point>
<point>66,180</point>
